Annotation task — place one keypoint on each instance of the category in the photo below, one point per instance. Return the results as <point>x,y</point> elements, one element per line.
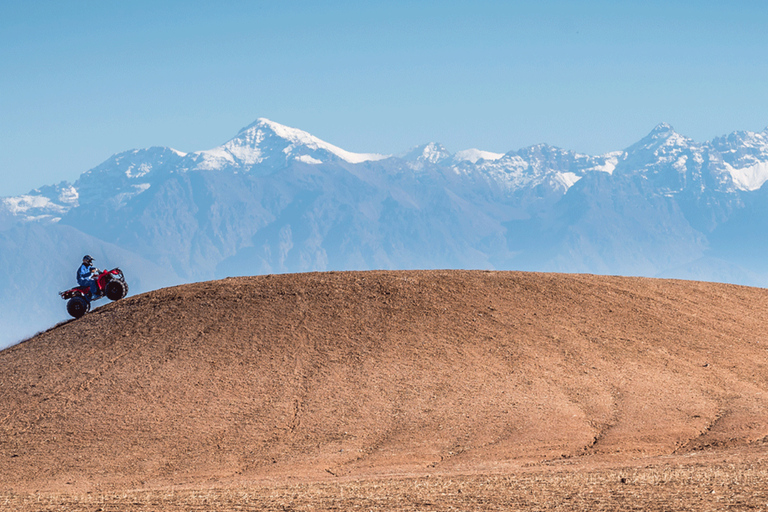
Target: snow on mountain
<point>662,146</point>
<point>34,207</point>
<point>567,179</point>
<point>663,149</point>
<point>749,178</point>
<point>742,148</point>
<point>431,153</point>
<point>554,169</point>
<point>676,164</point>
<point>125,175</point>
<point>510,172</point>
<point>299,138</point>
<point>272,145</point>
<point>672,161</point>
<point>662,136</point>
<point>606,163</point>
<point>473,155</point>
<point>308,160</point>
<point>745,157</point>
<point>45,203</point>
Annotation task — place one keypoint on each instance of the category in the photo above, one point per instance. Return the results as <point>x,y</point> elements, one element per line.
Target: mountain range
<point>276,199</point>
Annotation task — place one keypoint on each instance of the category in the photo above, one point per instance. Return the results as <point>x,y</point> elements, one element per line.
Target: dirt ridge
<point>305,377</point>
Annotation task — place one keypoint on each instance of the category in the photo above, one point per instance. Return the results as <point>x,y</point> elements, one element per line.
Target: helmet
<point>87,259</point>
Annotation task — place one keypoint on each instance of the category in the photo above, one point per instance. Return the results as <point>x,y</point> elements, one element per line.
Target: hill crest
<point>355,374</point>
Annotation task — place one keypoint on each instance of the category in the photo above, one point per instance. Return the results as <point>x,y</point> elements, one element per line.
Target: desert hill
<point>325,375</point>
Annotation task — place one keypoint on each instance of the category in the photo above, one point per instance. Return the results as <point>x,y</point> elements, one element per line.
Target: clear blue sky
<point>80,81</point>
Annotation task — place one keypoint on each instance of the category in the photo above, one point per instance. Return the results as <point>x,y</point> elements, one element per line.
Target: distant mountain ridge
<point>276,199</point>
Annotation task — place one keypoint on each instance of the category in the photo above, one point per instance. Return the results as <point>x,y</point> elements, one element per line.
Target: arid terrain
<point>407,390</point>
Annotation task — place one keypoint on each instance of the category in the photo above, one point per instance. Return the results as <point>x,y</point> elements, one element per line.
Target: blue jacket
<point>84,274</point>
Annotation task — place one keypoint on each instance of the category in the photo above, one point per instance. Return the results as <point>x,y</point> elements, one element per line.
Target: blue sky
<point>80,81</point>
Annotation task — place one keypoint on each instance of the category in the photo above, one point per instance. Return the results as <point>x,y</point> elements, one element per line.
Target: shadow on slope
<point>378,373</point>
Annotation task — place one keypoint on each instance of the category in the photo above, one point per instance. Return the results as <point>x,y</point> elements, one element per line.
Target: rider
<point>85,276</point>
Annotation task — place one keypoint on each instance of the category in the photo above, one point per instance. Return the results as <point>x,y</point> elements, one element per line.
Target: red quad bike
<point>110,282</point>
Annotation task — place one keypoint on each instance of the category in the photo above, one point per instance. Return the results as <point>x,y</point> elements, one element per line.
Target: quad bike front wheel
<point>78,306</point>
<point>116,289</point>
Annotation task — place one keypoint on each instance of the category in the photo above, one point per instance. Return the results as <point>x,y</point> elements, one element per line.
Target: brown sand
<point>335,378</point>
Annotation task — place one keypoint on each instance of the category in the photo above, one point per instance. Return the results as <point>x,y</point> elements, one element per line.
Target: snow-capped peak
<point>273,145</point>
<point>662,134</point>
<point>432,152</point>
<point>473,155</point>
<point>663,138</point>
<point>662,129</point>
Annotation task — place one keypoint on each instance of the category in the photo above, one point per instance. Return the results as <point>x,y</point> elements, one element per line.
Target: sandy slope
<point>371,374</point>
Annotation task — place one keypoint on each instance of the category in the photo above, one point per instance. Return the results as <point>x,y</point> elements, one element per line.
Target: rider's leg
<point>94,288</point>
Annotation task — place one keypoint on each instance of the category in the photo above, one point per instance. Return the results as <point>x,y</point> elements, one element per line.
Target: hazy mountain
<point>277,199</point>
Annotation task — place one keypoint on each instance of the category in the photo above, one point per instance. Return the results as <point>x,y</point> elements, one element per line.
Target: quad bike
<point>111,283</point>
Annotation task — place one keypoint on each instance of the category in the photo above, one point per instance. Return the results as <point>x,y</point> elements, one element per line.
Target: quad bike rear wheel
<point>78,306</point>
<point>116,289</point>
